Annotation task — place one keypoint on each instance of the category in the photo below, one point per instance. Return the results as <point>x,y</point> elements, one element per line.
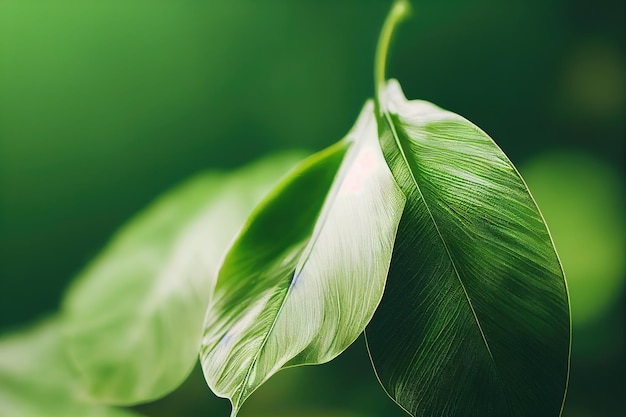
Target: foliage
<point>473,275</point>
<point>36,380</point>
<point>133,318</point>
<point>416,206</point>
<point>305,276</point>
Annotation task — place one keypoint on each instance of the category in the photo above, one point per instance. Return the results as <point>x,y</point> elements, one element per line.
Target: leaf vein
<point>398,142</point>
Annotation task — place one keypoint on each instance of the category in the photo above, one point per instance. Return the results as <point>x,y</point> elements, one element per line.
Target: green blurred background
<point>104,105</point>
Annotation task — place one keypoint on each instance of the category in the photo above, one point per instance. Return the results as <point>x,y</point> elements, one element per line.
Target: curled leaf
<point>305,275</point>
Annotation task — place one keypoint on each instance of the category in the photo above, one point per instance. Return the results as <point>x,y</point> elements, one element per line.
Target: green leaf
<point>474,321</point>
<point>37,381</point>
<point>134,315</point>
<point>306,274</point>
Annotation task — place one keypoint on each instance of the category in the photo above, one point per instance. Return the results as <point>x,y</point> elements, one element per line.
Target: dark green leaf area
<point>282,224</point>
<point>474,321</point>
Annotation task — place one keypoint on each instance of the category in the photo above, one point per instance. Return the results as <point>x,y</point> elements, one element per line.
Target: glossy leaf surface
<point>134,316</point>
<point>474,321</point>
<point>304,277</point>
<point>37,381</point>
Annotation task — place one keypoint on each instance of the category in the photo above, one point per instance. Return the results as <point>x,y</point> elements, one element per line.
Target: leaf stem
<point>399,11</point>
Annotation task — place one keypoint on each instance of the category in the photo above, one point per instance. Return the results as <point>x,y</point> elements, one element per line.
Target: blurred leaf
<point>583,202</point>
<point>474,320</point>
<point>134,316</point>
<point>304,277</point>
<point>36,380</point>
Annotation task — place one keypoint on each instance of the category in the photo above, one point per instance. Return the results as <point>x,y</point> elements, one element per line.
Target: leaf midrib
<point>398,141</point>
<point>306,253</point>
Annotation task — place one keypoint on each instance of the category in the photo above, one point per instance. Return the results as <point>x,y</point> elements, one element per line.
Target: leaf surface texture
<point>474,321</point>
<point>304,277</point>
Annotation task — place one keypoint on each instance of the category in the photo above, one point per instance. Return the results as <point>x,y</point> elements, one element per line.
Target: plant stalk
<point>399,11</point>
